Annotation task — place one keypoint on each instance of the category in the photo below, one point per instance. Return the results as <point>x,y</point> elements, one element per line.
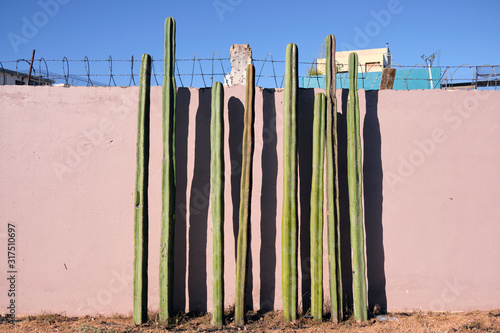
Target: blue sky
<point>462,31</point>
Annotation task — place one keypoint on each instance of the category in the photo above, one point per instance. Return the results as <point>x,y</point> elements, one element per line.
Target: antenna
<point>428,61</point>
<point>387,57</point>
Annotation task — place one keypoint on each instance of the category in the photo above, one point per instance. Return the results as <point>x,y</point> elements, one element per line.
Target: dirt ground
<point>478,321</point>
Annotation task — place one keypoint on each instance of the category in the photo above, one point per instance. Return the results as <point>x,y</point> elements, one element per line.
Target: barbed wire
<point>200,72</point>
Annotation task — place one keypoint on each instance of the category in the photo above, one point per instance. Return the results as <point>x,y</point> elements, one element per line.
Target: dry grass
<point>477,321</point>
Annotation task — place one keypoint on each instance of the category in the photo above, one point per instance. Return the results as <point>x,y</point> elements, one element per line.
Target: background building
<point>372,62</point>
<point>9,77</point>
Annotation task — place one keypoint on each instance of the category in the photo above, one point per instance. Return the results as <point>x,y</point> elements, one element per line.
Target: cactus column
<point>140,314</point>
<point>246,176</point>
<point>317,207</point>
<point>168,176</point>
<point>355,182</point>
<point>217,201</point>
<point>289,219</point>
<point>332,185</point>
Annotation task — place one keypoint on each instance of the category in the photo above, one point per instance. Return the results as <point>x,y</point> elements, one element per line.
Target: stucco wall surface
<point>67,176</point>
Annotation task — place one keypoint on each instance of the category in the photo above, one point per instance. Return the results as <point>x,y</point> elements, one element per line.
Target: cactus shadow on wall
<point>372,204</point>
<point>345,236</point>
<point>236,111</point>
<point>268,203</point>
<point>373,182</point>
<point>305,113</point>
<point>235,116</point>
<point>198,205</point>
<point>181,134</point>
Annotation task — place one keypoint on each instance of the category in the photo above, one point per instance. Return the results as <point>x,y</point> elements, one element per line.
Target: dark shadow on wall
<point>305,112</point>
<point>198,206</point>
<point>200,192</point>
<point>181,134</point>
<point>268,203</point>
<point>249,268</point>
<point>236,111</point>
<point>373,195</point>
<point>345,236</point>
<point>373,200</point>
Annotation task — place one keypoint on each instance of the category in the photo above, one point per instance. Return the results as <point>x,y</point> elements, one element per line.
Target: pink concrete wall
<point>67,167</point>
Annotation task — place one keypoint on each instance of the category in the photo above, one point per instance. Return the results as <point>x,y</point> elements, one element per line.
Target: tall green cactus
<point>289,219</point>
<point>244,217</point>
<point>355,182</point>
<point>332,185</point>
<point>141,224</point>
<point>168,176</point>
<point>317,207</point>
<point>217,201</point>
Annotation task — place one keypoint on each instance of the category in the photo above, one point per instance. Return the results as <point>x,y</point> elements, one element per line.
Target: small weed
<point>472,326</point>
<point>90,329</point>
<point>229,315</point>
<point>50,318</point>
<point>153,319</point>
<point>350,321</point>
<point>179,318</point>
<point>494,313</point>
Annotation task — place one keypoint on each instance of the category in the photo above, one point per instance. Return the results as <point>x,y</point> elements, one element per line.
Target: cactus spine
<point>244,213</point>
<point>168,176</point>
<point>317,207</point>
<point>217,201</point>
<point>332,184</point>
<point>289,219</point>
<point>355,182</point>
<point>140,313</point>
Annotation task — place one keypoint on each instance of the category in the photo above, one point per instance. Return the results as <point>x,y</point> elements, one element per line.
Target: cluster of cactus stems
<point>355,180</point>
<point>332,185</point>
<point>316,220</point>
<point>217,201</point>
<point>140,305</point>
<point>325,146</point>
<point>289,219</point>
<point>245,188</point>
<point>168,176</point>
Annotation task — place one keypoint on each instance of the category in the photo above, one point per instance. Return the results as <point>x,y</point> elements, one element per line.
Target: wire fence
<point>203,72</point>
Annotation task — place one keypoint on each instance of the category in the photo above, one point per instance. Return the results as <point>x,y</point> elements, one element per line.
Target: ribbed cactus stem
<point>217,201</point>
<point>244,213</point>
<point>332,185</point>
<point>289,219</point>
<point>316,221</point>
<point>168,177</point>
<point>140,313</point>
<point>355,183</point>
